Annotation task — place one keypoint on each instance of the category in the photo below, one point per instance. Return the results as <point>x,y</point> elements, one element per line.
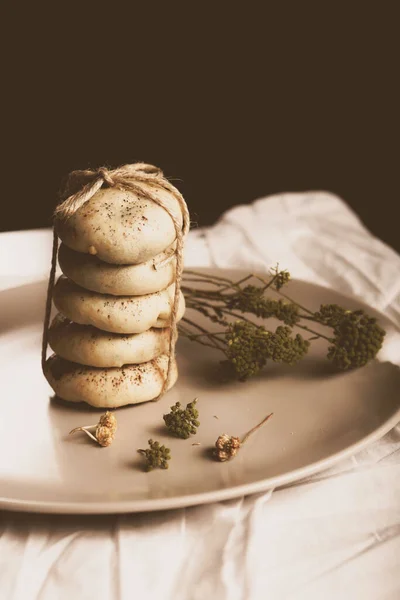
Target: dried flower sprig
<point>227,446</point>
<point>105,429</point>
<point>182,422</point>
<point>356,339</point>
<point>156,456</point>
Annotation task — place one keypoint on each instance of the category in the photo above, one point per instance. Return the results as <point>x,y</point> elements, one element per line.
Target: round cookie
<point>108,388</point>
<point>120,227</point>
<point>119,280</point>
<point>118,314</point>
<point>87,345</point>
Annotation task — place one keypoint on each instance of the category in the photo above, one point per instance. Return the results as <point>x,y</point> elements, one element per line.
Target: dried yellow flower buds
<point>227,446</point>
<point>104,430</point>
<point>108,420</point>
<point>104,436</point>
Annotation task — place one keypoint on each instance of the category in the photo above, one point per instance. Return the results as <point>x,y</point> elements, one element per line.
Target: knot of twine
<point>81,186</point>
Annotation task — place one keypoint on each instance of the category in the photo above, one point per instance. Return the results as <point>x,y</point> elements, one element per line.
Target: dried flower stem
<point>248,434</point>
<point>85,429</point>
<point>310,312</point>
<point>208,276</point>
<point>213,342</point>
<point>315,333</point>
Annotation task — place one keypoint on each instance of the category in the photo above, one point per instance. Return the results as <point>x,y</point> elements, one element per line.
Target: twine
<point>81,187</point>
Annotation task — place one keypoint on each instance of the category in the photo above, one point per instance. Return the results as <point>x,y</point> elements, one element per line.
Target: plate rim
<point>220,495</point>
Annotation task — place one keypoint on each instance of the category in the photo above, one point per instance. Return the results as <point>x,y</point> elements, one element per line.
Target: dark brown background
<point>235,103</point>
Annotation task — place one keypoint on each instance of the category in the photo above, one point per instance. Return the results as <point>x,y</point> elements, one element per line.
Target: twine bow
<point>81,186</point>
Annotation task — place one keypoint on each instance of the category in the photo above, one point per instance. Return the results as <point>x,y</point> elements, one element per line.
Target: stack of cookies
<point>111,335</point>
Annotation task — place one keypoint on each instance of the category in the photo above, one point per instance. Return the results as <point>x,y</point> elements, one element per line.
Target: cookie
<point>87,345</point>
<point>119,227</point>
<point>108,388</point>
<point>118,314</point>
<point>119,280</point>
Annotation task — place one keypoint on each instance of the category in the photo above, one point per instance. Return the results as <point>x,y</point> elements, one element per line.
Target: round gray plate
<point>319,418</point>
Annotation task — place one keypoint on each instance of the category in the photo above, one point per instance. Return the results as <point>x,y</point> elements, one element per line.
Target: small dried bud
<point>182,422</point>
<point>108,420</point>
<point>227,447</point>
<point>156,456</point>
<point>104,435</point>
<point>104,430</point>
<point>280,278</point>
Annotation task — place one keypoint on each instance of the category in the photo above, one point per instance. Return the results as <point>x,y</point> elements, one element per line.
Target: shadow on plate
<point>57,403</point>
<point>212,374</point>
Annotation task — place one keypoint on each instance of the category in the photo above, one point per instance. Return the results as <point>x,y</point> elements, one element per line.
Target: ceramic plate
<point>319,418</point>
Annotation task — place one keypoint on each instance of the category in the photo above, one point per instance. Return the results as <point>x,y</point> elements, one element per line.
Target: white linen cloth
<point>334,535</point>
